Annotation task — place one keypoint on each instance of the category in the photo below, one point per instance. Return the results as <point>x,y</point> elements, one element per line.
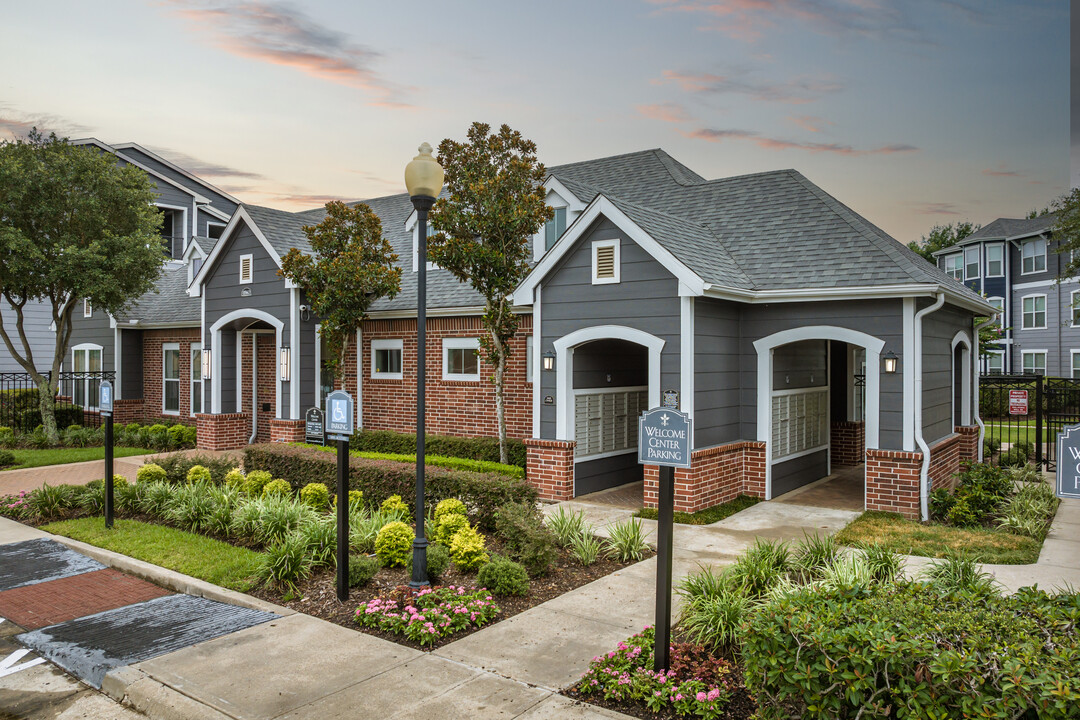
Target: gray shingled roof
<point>168,302</point>
<point>1011,227</point>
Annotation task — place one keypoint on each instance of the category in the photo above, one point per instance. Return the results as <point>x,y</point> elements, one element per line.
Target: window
<point>87,308</point>
<point>214,230</point>
<point>1033,253</point>
<point>1074,300</point>
<point>170,378</point>
<point>386,359</point>
<point>196,378</point>
<point>954,266</point>
<point>530,365</point>
<point>995,261</point>
<point>605,262</point>
<point>971,262</point>
<point>86,362</point>
<point>554,228</point>
<point>326,378</point>
<point>460,361</point>
<point>1076,363</point>
<point>800,422</point>
<point>246,270</point>
<point>1034,362</point>
<point>606,421</point>
<point>995,363</point>
<point>1034,312</point>
<point>999,303</point>
<point>196,266</point>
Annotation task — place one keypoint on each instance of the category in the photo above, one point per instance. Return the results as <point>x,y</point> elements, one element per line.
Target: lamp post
<point>424,179</point>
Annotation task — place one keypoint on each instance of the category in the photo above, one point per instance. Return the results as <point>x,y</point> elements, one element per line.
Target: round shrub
<point>255,481</point>
<point>176,435</point>
<point>438,559</point>
<point>394,503</point>
<point>355,498</point>
<point>151,472</point>
<point>393,544</point>
<point>197,473</point>
<point>7,437</point>
<point>467,549</point>
<point>449,526</point>
<point>504,577</point>
<point>278,488</point>
<point>361,569</point>
<point>1014,457</point>
<point>158,436</point>
<point>188,436</point>
<point>316,495</point>
<point>235,479</point>
<point>6,458</point>
<point>449,506</point>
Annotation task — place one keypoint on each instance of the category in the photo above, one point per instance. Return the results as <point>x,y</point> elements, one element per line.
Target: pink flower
<point>701,697</point>
<point>679,696</point>
<point>714,693</point>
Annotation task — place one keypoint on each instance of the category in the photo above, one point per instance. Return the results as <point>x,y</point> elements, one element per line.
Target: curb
<point>135,689</point>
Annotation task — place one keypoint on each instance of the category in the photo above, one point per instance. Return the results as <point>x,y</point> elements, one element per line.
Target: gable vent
<point>605,261</point>
<point>245,268</point>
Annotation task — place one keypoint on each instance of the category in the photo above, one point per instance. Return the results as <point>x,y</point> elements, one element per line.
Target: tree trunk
<point>500,404</point>
<point>47,406</point>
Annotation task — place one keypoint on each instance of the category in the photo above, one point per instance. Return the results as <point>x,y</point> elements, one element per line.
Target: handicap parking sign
<point>105,396</point>
<point>339,413</point>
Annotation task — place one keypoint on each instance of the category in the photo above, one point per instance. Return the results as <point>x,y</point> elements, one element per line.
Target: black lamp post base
<point>419,564</point>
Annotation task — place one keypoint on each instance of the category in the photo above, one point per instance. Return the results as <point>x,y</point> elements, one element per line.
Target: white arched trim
<point>215,332</point>
<point>764,348</point>
<point>962,338</point>
<point>564,368</point>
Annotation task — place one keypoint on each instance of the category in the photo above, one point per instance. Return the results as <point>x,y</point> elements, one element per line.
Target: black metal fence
<point>76,404</point>
<point>1024,414</point>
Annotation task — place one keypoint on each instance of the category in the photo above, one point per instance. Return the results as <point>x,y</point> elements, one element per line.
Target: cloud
<point>203,168</point>
<point>936,208</point>
<point>810,122</point>
<point>739,82</point>
<point>302,201</point>
<point>276,33</point>
<point>667,112</point>
<point>15,124</point>
<point>1001,172</point>
<point>768,143</point>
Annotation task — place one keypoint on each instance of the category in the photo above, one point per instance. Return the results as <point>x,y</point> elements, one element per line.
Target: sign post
<point>105,407</point>
<point>665,437</point>
<point>1068,463</point>
<point>339,426</point>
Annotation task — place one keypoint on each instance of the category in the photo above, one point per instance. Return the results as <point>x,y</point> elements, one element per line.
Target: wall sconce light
<point>549,360</point>
<point>207,366</point>
<point>283,365</point>
<point>890,361</point>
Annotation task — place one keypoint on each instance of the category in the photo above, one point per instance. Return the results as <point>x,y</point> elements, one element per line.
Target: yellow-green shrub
<point>449,506</point>
<point>277,487</point>
<point>449,526</point>
<point>255,481</point>
<point>467,549</point>
<point>235,478</point>
<point>394,503</point>
<point>151,472</point>
<point>393,544</point>
<point>198,473</point>
<point>316,495</point>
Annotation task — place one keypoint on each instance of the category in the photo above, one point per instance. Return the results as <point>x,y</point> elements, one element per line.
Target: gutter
<point>975,390</point>
<point>924,472</point>
<point>254,385</point>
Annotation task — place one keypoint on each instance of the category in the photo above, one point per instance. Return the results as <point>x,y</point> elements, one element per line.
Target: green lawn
<point>1013,432</point>
<point>202,557</point>
<point>909,537</point>
<point>62,456</point>
<point>708,516</point>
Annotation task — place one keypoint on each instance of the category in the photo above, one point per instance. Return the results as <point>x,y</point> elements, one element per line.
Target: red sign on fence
<point>1018,402</point>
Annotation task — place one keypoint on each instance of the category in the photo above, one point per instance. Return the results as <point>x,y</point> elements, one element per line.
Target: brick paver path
<point>55,601</point>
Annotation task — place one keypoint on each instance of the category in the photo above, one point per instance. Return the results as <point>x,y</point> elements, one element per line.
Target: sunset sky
<point>913,113</point>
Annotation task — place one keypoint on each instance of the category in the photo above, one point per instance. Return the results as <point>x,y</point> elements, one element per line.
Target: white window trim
<point>1023,313</point>
<point>218,225</point>
<point>398,345</point>
<point>449,344</point>
<point>183,223</point>
<point>1073,299</point>
<point>1025,353</point>
<point>977,263</point>
<point>87,308</point>
<point>1001,310</point>
<point>251,264</point>
<point>1043,254</point>
<point>416,248</point>
<point>530,365</point>
<point>1073,354</point>
<point>91,403</point>
<point>995,353</point>
<point>195,347</point>
<point>945,265</point>
<point>1002,261</point>
<point>596,245</point>
<point>166,347</point>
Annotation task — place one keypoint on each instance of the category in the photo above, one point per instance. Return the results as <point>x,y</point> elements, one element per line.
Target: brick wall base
<point>969,442</point>
<point>549,467</point>
<point>127,411</point>
<point>847,441</point>
<point>286,430</point>
<point>717,474</point>
<point>224,431</point>
<point>892,481</point>
<point>945,462</point>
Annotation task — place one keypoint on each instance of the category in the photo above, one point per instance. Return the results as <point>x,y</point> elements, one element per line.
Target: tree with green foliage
<point>74,225</point>
<point>353,266</point>
<point>1066,231</point>
<point>941,237</point>
<point>496,203</point>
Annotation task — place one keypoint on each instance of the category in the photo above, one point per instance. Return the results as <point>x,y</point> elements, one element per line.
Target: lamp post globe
<point>423,179</point>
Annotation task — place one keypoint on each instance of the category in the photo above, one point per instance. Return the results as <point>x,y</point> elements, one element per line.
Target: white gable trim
<point>211,210</point>
<point>171,166</point>
<point>164,178</point>
<point>573,202</point>
<point>241,215</point>
<point>602,206</point>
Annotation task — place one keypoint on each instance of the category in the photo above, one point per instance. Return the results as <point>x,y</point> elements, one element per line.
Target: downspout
<point>924,472</point>
<point>975,390</point>
<point>254,387</point>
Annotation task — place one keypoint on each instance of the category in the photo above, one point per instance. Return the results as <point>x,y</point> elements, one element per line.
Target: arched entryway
<point>961,380</point>
<point>245,345</point>
<point>809,378</point>
<point>606,376</point>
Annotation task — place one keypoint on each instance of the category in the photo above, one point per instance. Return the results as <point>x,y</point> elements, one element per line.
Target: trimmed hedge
<point>483,493</point>
<point>65,414</point>
<point>454,463</point>
<point>177,466</point>
<point>907,651</point>
<point>386,441</point>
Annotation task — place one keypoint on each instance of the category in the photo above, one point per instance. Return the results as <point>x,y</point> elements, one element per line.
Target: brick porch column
<point>286,430</point>
<point>847,441</point>
<point>549,467</point>
<point>892,481</point>
<point>716,474</point>
<point>969,442</point>
<point>222,431</point>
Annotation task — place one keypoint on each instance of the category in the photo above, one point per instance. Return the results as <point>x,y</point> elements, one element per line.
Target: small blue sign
<point>105,397</point>
<point>1068,463</point>
<point>665,437</point>
<point>339,413</point>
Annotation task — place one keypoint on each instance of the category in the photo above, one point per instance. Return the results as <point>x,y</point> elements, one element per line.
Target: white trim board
<point>241,215</point>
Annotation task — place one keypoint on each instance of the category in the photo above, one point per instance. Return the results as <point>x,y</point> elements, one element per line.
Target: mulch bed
<point>317,595</point>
